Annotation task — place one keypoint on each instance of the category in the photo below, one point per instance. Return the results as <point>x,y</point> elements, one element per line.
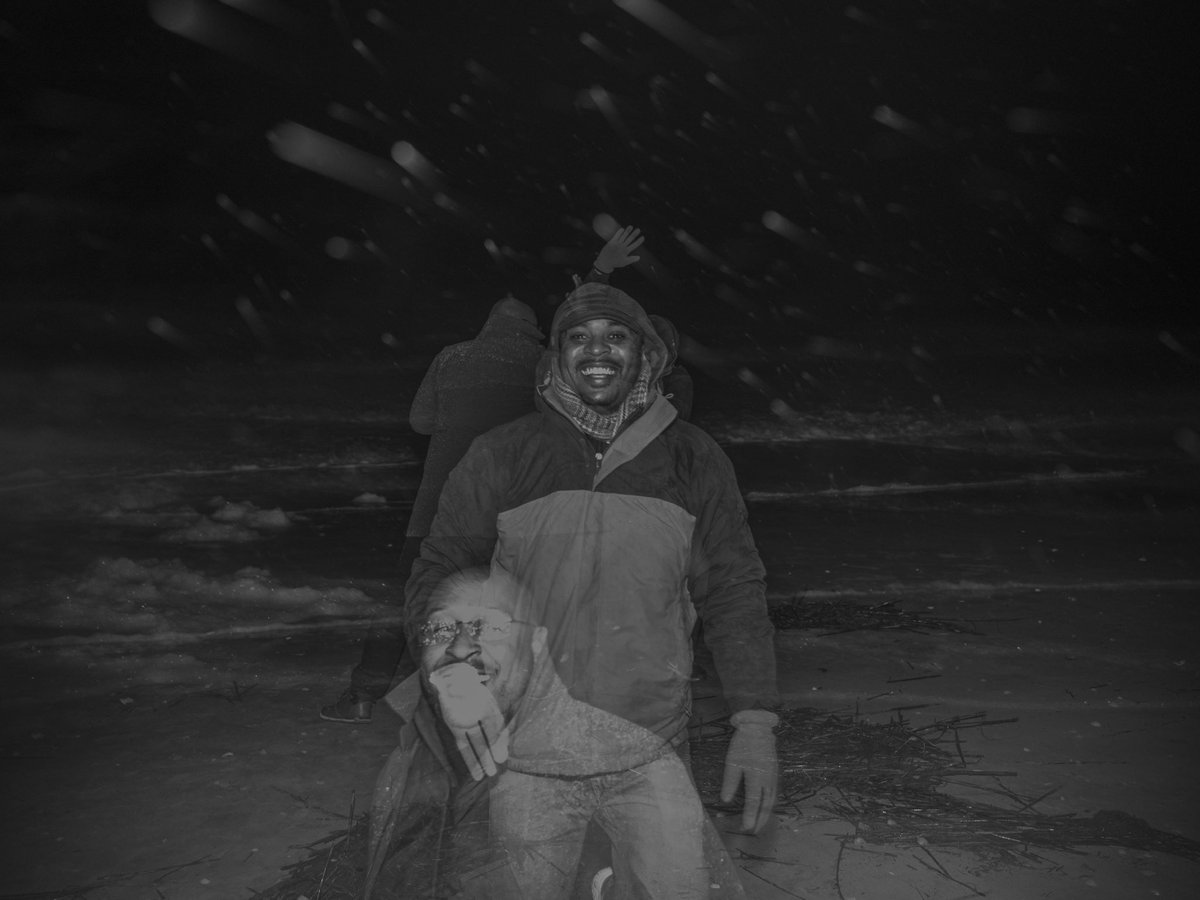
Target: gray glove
<point>618,252</point>
<point>751,757</point>
<point>470,712</point>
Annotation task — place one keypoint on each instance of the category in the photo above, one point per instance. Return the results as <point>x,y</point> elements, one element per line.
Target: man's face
<point>600,360</point>
<point>473,627</point>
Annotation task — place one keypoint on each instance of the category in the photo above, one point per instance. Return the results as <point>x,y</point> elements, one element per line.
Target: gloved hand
<point>470,712</point>
<point>751,756</point>
<point>618,252</point>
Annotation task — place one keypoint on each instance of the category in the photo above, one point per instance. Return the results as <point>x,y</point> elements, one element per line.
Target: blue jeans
<point>651,814</point>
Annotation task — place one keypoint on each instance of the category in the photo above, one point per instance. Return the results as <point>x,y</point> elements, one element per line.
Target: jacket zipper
<point>597,455</point>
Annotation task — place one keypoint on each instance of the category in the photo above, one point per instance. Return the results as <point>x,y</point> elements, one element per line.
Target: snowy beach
<point>188,568</point>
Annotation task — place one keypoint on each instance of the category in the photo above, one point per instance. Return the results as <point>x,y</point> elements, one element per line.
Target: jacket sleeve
<point>729,588</point>
<point>462,535</point>
<point>422,415</point>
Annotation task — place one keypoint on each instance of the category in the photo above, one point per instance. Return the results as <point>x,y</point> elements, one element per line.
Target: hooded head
<point>511,306</point>
<point>670,335</point>
<point>614,366</point>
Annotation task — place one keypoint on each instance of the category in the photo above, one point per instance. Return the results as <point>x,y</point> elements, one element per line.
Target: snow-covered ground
<point>189,555</point>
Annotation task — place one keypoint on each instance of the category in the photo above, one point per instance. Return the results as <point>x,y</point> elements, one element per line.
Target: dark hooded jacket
<point>471,387</point>
<point>619,546</point>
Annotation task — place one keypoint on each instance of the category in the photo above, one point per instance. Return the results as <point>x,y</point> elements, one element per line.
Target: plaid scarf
<point>602,425</point>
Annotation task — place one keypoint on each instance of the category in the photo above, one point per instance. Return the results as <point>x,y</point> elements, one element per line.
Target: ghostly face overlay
<point>600,359</point>
<point>473,620</point>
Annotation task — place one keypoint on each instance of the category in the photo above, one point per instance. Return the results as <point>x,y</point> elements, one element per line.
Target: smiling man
<point>621,523</point>
<point>600,359</point>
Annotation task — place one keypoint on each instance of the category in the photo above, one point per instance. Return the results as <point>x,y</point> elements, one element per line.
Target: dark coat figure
<point>470,388</point>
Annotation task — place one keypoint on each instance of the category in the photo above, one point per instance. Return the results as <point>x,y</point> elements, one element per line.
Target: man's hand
<point>470,712</point>
<point>751,757</point>
<point>618,252</point>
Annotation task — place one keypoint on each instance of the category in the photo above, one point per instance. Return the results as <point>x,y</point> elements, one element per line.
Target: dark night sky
<point>796,166</point>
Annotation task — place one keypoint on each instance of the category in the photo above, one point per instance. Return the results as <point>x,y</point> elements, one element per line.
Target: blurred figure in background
<point>429,828</point>
<point>470,388</point>
<point>483,671</point>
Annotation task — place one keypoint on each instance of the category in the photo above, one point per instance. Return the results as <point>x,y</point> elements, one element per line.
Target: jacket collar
<point>636,436</point>
<point>630,441</point>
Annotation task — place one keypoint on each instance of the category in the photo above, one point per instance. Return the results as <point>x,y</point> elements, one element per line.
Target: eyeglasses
<point>438,632</point>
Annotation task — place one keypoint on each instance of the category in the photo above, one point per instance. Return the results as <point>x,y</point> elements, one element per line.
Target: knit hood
<point>670,334</point>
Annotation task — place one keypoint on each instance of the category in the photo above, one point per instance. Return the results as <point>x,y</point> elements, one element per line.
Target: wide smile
<point>598,374</point>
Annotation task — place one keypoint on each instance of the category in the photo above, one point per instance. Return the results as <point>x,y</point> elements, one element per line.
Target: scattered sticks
<point>887,780</point>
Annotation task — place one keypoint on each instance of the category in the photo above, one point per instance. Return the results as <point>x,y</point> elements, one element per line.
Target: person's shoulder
<point>689,433</point>
<point>512,434</point>
<point>697,449</point>
<point>450,355</point>
<point>458,349</point>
